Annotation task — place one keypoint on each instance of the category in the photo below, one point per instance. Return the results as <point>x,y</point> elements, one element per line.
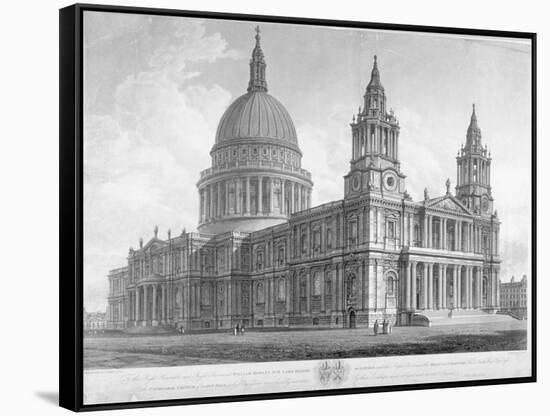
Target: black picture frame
<point>71,203</point>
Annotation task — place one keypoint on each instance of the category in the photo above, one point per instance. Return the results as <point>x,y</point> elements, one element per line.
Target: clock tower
<point>374,165</point>
<point>473,187</point>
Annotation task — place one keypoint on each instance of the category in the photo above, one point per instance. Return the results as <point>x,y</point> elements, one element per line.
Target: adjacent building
<point>513,297</point>
<point>95,321</point>
<point>263,257</point>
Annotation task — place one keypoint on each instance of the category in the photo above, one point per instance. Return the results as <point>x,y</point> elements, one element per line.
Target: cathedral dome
<point>257,115</point>
<point>256,179</point>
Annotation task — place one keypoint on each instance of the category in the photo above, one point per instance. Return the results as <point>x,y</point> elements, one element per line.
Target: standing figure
<point>376,327</point>
<point>385,327</point>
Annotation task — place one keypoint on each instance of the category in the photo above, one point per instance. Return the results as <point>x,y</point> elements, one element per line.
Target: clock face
<point>390,181</point>
<point>356,182</point>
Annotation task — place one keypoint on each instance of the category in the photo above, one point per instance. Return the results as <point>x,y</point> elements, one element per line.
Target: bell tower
<point>374,165</point>
<point>473,180</point>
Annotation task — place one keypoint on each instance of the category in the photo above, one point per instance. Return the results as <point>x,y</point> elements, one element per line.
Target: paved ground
<point>116,351</point>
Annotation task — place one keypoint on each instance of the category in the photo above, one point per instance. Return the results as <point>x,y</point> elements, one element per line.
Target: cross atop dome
<point>257,67</point>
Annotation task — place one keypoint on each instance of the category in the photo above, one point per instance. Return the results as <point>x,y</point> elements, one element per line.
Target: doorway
<point>352,319</point>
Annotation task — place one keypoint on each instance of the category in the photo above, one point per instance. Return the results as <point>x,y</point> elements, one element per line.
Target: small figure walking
<point>389,327</point>
<point>385,327</point>
<point>376,327</point>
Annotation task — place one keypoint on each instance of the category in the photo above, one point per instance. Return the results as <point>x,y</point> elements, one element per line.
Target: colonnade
<point>435,286</point>
<point>253,195</point>
<point>473,170</point>
<point>148,304</point>
<point>448,234</point>
<point>372,138</point>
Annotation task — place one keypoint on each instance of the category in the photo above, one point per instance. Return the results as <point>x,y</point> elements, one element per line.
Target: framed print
<point>257,207</point>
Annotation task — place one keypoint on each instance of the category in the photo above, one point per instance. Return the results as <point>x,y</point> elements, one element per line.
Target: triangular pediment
<point>448,202</point>
<point>153,244</point>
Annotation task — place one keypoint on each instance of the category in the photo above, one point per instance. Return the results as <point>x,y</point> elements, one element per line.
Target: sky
<point>155,88</point>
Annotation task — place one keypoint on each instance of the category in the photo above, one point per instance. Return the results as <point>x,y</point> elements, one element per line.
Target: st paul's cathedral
<point>264,258</point>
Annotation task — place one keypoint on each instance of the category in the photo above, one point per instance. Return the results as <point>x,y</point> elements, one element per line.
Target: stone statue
<point>169,233</point>
<point>140,242</point>
<point>156,230</point>
<point>448,186</point>
<point>426,196</point>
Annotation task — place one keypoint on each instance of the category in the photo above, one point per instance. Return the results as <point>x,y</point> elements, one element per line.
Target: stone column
<point>299,197</point>
<point>137,302</point>
<point>163,304</point>
<point>154,315</point>
<point>411,230</point>
<point>226,205</point>
<point>424,304</point>
<point>210,201</point>
<point>248,194</point>
<point>459,246</point>
<point>145,305</point>
<point>425,232</point>
<point>271,195</point>
<point>413,285</point>
<point>323,282</point>
<point>219,207</point>
<point>444,236</point>
<point>479,285</point>
<point>443,269</point>
<point>459,292</point>
<point>283,197</point>
<point>339,287</point>
<point>407,288</point>
<point>260,196</point>
<point>440,233</point>
<point>470,287</point>
<point>430,237</point>
<point>430,286</point>
<point>291,203</point>
<point>182,300</point>
<point>308,293</point>
<point>455,287</point>
<point>288,292</point>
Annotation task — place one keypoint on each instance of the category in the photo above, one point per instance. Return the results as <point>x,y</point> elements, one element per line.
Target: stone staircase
<point>151,330</point>
<point>468,316</point>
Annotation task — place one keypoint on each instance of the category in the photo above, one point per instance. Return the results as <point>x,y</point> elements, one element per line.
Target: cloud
<point>142,160</point>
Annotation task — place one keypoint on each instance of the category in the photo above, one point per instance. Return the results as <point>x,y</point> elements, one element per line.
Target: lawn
<point>118,351</point>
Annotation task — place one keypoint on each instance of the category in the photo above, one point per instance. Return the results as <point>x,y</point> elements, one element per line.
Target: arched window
<point>316,284</point>
<point>260,293</point>
<point>329,238</point>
